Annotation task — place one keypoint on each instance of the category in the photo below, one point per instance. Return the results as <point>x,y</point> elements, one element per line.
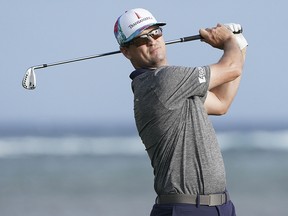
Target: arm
<point>221,97</point>
<point>226,74</point>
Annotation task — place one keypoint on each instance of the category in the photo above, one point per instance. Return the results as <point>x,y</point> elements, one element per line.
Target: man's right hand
<point>217,36</point>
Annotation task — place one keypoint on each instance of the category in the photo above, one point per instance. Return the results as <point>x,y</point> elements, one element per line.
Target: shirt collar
<point>138,72</point>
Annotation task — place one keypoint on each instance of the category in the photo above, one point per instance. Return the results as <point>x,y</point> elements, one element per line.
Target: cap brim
<point>160,24</point>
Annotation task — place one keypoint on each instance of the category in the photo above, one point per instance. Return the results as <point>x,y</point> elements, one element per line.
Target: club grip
<point>191,38</point>
<point>198,37</point>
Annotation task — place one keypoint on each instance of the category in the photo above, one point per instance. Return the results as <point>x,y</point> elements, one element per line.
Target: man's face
<point>148,50</point>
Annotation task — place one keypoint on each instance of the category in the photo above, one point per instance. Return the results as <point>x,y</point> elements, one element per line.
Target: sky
<point>98,91</point>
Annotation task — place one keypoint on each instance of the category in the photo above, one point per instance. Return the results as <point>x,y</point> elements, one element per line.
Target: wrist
<point>230,42</point>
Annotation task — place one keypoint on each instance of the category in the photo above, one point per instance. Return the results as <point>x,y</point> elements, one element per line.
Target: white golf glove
<point>242,42</point>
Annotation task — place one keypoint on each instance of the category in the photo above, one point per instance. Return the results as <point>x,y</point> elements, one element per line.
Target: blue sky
<point>98,91</point>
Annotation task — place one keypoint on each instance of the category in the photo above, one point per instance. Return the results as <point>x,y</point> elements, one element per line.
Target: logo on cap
<point>138,16</point>
<point>140,20</point>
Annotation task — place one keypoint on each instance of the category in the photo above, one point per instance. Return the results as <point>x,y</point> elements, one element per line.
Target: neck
<point>151,66</point>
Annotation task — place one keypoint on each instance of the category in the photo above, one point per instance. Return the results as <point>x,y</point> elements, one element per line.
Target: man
<point>171,108</point>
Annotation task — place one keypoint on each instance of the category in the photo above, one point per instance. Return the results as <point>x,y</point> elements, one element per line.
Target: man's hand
<point>242,42</point>
<point>217,36</point>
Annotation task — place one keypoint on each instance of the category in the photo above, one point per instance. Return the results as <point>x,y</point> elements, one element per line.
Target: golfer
<point>171,108</point>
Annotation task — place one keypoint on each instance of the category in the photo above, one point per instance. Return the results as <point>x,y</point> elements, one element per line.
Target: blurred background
<point>70,147</point>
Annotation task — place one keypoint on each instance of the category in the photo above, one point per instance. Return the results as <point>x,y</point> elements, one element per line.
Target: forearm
<point>227,91</point>
<point>229,66</point>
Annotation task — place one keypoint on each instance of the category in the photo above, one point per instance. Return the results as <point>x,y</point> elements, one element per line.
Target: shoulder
<point>182,72</point>
<point>182,69</point>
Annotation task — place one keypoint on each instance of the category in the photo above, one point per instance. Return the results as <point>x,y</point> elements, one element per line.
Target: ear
<point>126,52</point>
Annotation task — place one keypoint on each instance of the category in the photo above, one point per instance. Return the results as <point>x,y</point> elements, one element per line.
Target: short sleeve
<point>175,84</point>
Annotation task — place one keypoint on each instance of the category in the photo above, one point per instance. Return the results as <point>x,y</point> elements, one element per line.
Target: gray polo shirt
<point>175,129</point>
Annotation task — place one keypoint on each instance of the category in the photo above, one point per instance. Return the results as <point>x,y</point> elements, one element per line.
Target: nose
<point>150,40</point>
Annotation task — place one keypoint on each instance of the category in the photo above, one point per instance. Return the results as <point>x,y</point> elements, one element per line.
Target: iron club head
<point>29,80</point>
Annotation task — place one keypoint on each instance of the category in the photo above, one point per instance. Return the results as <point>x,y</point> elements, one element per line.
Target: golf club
<point>29,80</point>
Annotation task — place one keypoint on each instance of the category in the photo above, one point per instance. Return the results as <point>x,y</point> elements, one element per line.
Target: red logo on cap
<point>138,16</point>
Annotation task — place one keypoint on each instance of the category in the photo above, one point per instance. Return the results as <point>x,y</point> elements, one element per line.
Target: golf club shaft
<point>75,60</point>
<point>180,40</point>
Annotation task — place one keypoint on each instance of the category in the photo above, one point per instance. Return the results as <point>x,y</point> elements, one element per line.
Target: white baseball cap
<point>132,23</point>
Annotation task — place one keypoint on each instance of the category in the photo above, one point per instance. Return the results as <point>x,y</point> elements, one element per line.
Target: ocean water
<point>86,175</point>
